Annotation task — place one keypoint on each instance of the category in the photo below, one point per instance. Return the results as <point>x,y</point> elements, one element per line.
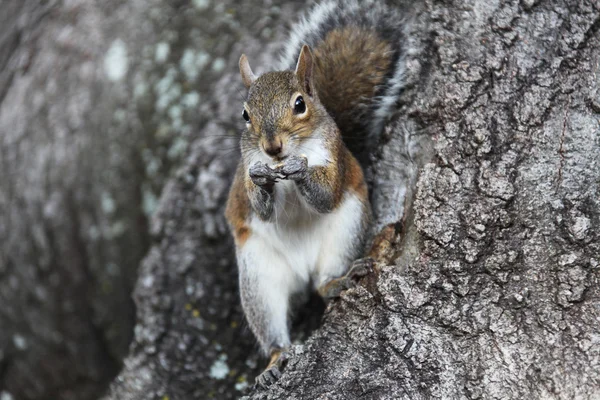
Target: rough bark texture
<point>72,230</point>
<point>487,287</point>
<point>495,294</point>
<point>98,100</point>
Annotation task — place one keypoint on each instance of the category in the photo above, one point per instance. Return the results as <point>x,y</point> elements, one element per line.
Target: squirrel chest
<point>298,234</point>
<point>301,236</point>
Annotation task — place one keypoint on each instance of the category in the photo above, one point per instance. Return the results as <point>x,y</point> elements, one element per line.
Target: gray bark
<point>486,287</point>
<point>495,291</point>
<point>98,102</point>
<point>71,227</point>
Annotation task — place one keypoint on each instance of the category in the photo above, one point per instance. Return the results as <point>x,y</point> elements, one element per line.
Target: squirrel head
<point>282,109</point>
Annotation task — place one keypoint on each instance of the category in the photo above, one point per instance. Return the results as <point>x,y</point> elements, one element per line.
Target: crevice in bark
<point>562,141</point>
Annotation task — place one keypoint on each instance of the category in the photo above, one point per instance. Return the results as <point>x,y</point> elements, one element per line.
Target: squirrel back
<point>359,65</point>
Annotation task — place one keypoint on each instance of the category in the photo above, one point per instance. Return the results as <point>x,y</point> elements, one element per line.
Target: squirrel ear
<point>248,76</point>
<point>304,69</point>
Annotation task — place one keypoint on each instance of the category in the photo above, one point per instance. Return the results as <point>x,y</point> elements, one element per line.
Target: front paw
<point>295,168</point>
<point>262,175</point>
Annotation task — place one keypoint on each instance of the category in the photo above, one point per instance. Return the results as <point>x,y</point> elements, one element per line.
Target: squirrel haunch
<point>299,207</point>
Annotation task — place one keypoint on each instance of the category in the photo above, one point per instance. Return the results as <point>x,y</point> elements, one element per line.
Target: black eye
<point>299,105</point>
<point>245,115</point>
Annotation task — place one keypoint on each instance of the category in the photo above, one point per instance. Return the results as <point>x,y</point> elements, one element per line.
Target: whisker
<point>216,138</point>
<point>229,152</point>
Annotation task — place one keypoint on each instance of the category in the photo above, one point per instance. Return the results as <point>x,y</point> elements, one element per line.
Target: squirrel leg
<point>266,283</point>
<point>344,240</point>
<point>332,289</point>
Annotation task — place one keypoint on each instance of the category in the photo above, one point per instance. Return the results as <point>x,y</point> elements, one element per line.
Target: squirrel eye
<point>245,115</point>
<point>299,105</point>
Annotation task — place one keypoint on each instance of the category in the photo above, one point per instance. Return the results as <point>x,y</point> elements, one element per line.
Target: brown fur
<point>350,65</point>
<point>238,208</point>
<point>354,177</point>
<point>329,290</point>
<point>275,355</point>
<point>332,174</point>
<point>270,107</point>
<point>346,55</point>
<point>345,175</point>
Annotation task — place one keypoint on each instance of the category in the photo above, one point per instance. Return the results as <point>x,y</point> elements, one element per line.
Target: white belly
<point>310,243</point>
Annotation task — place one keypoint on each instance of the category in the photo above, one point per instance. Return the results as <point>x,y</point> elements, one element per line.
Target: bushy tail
<point>359,71</point>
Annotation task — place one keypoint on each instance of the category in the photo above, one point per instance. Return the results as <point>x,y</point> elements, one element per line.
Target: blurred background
<point>100,103</point>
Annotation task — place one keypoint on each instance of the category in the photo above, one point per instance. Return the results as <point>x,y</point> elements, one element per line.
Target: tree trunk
<point>98,102</point>
<point>485,188</point>
<point>486,288</point>
<point>71,227</point>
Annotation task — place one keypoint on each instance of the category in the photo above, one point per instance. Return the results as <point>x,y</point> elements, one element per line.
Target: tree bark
<point>98,102</point>
<point>487,287</point>
<point>495,290</point>
<point>485,189</point>
<point>71,227</point>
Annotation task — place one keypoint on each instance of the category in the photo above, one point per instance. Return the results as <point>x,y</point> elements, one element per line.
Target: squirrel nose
<point>273,149</point>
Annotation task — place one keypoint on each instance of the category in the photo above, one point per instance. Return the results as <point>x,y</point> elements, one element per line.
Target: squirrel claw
<point>361,267</point>
<point>273,371</point>
<point>268,377</point>
<point>262,175</point>
<point>294,167</point>
<point>335,287</point>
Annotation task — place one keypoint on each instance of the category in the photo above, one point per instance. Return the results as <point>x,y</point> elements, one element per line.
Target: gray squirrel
<point>299,207</point>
